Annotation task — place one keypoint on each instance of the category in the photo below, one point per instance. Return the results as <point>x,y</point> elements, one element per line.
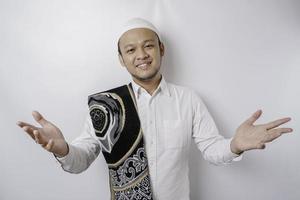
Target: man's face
<point>141,53</point>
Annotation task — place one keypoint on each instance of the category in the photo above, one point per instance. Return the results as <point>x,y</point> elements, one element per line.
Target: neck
<point>149,85</point>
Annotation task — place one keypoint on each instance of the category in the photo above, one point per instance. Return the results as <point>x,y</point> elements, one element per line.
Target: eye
<point>149,46</point>
<point>129,51</point>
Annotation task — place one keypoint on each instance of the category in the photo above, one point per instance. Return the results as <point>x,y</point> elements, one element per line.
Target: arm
<point>75,157</point>
<point>248,136</point>
<point>82,151</point>
<point>213,146</point>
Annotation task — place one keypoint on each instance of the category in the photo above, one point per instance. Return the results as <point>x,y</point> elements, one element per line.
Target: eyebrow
<point>149,40</point>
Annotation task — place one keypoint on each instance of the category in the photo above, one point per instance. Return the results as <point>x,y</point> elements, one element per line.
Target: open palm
<point>48,135</point>
<point>249,136</point>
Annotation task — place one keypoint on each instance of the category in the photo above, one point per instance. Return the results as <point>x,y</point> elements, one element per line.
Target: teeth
<point>143,66</point>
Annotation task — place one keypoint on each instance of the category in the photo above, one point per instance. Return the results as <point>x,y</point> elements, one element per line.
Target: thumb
<point>39,118</point>
<point>254,117</point>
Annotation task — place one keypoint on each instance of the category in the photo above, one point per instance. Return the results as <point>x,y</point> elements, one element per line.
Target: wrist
<point>63,152</point>
<point>234,148</point>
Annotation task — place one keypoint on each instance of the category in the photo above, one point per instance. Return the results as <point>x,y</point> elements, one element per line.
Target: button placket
<point>152,135</point>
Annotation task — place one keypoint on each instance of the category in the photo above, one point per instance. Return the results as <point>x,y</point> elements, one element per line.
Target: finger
<point>22,124</point>
<point>38,137</point>
<point>39,118</point>
<point>275,133</point>
<point>282,130</point>
<point>277,123</point>
<point>50,144</point>
<point>271,136</point>
<point>29,130</point>
<point>254,117</point>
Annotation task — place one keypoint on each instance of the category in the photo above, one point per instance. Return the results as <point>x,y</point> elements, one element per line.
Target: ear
<point>162,49</point>
<point>121,60</point>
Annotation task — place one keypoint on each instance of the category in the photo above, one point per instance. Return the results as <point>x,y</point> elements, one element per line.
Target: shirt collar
<point>162,87</point>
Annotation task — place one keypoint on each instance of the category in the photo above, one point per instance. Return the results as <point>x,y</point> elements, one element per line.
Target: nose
<point>141,54</point>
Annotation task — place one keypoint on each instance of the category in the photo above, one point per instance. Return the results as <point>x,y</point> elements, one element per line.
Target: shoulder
<point>112,90</point>
<point>183,91</point>
<point>186,95</point>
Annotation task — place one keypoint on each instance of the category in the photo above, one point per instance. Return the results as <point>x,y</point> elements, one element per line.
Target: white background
<point>240,55</point>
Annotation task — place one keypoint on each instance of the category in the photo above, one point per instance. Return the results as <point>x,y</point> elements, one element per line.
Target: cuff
<point>228,155</point>
<point>67,158</point>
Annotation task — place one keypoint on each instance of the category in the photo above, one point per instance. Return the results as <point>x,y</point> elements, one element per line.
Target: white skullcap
<point>137,23</point>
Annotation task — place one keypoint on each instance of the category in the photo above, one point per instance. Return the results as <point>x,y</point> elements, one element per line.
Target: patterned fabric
<point>116,123</point>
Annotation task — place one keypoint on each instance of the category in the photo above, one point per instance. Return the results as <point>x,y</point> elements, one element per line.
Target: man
<point>169,116</point>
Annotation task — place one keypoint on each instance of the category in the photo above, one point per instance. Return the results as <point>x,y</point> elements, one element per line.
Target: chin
<point>146,77</point>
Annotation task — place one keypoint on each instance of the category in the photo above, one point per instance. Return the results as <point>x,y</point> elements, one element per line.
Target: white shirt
<point>171,118</point>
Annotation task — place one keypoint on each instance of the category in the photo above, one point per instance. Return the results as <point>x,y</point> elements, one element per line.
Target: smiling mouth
<point>144,65</point>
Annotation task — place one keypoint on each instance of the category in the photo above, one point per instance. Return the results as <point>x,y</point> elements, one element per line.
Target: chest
<point>166,121</point>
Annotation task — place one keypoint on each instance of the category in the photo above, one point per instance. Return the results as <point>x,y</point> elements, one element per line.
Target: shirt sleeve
<point>82,151</point>
<point>213,146</point>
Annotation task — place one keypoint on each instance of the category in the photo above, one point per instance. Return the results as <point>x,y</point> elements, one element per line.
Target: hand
<point>249,136</point>
<point>48,136</point>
